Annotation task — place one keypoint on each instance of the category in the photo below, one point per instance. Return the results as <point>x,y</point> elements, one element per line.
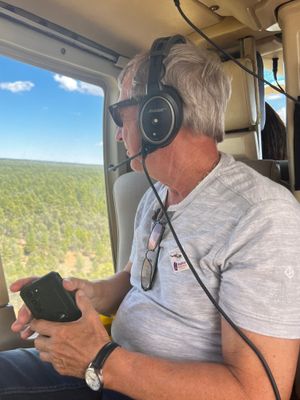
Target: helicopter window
<point>52,199</point>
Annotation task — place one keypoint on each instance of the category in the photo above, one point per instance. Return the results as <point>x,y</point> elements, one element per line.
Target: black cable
<point>201,33</point>
<point>275,70</point>
<point>114,167</point>
<point>207,292</point>
<point>281,88</point>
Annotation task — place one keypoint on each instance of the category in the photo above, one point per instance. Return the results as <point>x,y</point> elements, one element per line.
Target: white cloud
<point>16,87</point>
<point>100,144</point>
<point>72,85</point>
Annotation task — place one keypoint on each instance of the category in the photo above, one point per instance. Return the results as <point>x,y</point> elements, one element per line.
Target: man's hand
<point>71,346</point>
<point>24,315</point>
<point>88,288</point>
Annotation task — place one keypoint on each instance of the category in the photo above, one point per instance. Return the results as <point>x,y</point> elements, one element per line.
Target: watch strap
<point>103,354</point>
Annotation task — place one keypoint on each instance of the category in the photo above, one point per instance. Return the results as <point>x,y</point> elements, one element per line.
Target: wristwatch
<point>93,373</point>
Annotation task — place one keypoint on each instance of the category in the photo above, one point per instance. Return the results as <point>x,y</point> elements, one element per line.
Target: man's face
<point>129,132</point>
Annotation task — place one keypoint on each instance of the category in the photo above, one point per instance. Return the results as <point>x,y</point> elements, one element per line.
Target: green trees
<point>53,217</point>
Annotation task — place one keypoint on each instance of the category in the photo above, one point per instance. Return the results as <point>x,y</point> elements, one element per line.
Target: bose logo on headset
<point>161,113</point>
<point>157,110</point>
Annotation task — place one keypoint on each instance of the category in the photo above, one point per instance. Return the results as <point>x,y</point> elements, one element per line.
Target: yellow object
<point>106,321</point>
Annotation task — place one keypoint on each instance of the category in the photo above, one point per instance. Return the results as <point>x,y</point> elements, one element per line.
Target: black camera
<point>47,299</point>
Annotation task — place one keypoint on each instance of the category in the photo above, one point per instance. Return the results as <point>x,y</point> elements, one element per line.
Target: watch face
<point>92,379</point>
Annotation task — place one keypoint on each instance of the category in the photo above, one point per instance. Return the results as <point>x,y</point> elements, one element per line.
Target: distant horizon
<point>48,161</point>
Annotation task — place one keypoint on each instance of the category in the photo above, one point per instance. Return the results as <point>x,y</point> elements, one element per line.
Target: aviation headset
<point>161,110</point>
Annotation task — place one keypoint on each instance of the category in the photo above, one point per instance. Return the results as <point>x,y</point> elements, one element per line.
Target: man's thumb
<point>83,302</point>
<point>72,284</point>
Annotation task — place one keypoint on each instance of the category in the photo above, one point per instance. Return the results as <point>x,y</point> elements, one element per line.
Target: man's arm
<point>110,292</point>
<point>241,376</point>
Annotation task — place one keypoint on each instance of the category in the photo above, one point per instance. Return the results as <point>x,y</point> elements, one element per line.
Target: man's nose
<point>119,136</point>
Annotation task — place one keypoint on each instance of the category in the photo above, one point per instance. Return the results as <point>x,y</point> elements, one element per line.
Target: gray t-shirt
<point>241,232</point>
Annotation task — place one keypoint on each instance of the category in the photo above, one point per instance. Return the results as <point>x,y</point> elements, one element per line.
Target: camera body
<point>47,299</point>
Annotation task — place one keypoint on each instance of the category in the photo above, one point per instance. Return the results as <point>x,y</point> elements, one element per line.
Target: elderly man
<point>240,231</point>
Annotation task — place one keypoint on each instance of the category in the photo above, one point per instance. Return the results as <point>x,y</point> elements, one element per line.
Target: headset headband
<point>158,52</point>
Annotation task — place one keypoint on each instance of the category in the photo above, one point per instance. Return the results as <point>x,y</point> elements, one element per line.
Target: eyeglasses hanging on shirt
<point>149,266</point>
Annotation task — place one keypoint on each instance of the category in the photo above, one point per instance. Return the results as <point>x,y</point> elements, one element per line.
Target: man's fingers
<point>83,303</point>
<point>41,343</point>
<point>45,328</point>
<point>17,285</point>
<point>26,333</point>
<point>73,284</point>
<point>44,356</point>
<point>24,316</point>
<point>16,326</point>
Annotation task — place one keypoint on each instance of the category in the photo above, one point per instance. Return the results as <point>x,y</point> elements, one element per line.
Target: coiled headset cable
<point>205,289</point>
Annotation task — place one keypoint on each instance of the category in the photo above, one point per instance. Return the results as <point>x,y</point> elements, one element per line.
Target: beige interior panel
<point>240,145</point>
<point>263,14</point>
<point>241,111</point>
<point>143,21</point>
<point>227,34</point>
<point>241,10</point>
<point>269,45</point>
<point>100,20</point>
<point>253,13</point>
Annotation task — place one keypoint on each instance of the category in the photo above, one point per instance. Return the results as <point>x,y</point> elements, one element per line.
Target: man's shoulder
<point>249,185</point>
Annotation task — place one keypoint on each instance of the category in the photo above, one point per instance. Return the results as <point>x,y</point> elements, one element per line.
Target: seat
<point>241,118</point>
<point>243,122</point>
<point>127,192</point>
<point>268,168</point>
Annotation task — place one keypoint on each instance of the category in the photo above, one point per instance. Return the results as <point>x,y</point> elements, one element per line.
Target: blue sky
<point>46,116</point>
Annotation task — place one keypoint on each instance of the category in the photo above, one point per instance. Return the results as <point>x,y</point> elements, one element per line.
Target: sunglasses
<point>115,109</point>
<point>149,267</point>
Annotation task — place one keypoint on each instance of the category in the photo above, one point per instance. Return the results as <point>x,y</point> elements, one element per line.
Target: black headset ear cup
<point>160,117</point>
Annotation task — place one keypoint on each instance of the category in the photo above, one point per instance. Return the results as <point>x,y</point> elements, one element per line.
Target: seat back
<point>241,117</point>
<point>127,192</point>
<point>268,168</point>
